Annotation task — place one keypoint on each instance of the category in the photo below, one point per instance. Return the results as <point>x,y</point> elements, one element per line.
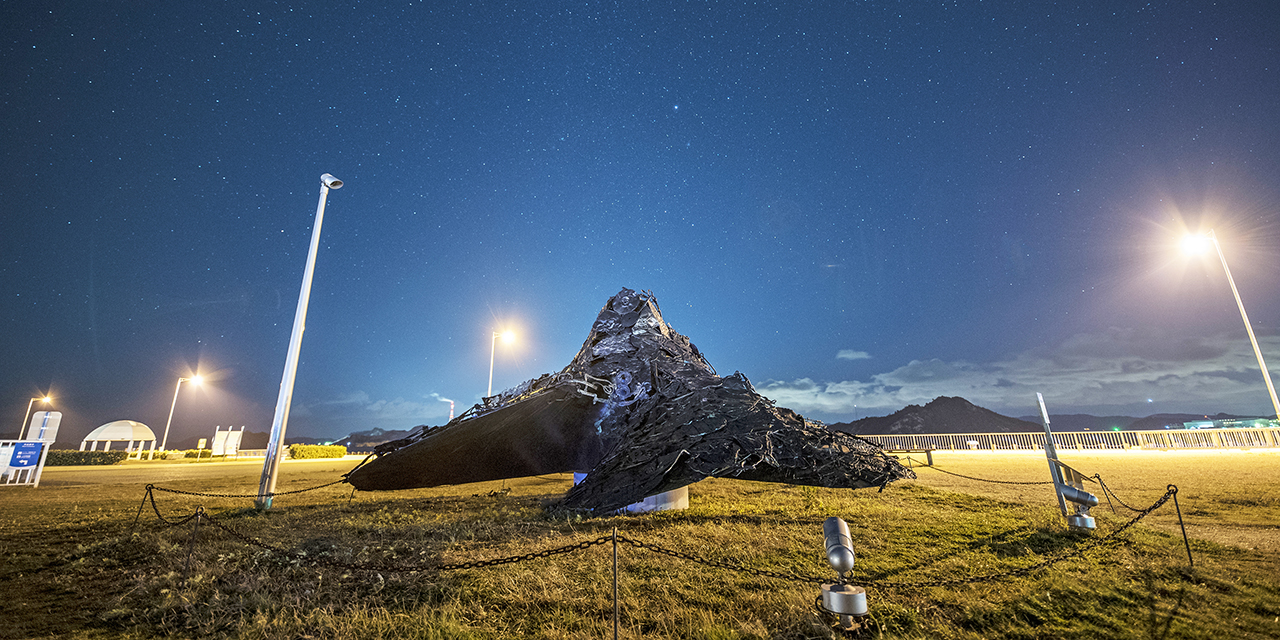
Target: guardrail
<point>1087,440</point>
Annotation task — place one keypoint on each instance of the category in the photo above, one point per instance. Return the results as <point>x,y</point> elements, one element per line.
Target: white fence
<point>1087,440</point>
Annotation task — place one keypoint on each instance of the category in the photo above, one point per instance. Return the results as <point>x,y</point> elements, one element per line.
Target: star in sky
<point>976,200</point>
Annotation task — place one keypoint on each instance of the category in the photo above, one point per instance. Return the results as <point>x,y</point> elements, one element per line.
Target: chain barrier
<point>152,487</point>
<point>958,475</point>
<point>156,508</point>
<point>1111,494</point>
<point>299,556</point>
<point>1097,477</point>
<point>200,514</point>
<point>991,577</point>
<point>1172,492</point>
<point>731,566</point>
<point>387,568</point>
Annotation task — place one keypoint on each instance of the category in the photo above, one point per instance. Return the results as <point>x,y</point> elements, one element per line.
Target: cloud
<point>1109,371</point>
<point>358,408</point>
<point>850,354</point>
<point>357,398</point>
<point>402,410</point>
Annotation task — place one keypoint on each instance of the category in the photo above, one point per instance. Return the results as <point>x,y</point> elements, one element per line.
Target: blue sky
<point>859,205</point>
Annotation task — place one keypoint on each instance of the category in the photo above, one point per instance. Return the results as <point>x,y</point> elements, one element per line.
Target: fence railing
<point>1086,440</point>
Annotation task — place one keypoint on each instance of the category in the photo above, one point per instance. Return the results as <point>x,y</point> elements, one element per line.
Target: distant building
<point>1233,423</point>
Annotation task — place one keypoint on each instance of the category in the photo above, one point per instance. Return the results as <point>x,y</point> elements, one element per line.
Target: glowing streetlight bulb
<point>508,336</point>
<point>197,380</point>
<point>1196,244</point>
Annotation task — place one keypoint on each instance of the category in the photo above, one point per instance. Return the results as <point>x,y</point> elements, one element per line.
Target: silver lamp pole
<point>493,347</point>
<point>45,399</point>
<point>506,336</point>
<point>1266,375</point>
<point>275,445</point>
<point>164,443</point>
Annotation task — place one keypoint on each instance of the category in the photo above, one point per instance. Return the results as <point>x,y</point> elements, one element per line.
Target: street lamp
<point>45,399</point>
<point>1197,244</point>
<point>275,445</point>
<point>195,380</point>
<point>507,337</point>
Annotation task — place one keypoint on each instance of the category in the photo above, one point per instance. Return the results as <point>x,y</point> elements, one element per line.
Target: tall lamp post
<point>196,380</point>
<point>45,399</point>
<point>1197,244</point>
<point>275,446</point>
<point>507,337</point>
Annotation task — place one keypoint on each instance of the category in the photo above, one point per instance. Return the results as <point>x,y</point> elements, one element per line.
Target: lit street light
<point>46,400</point>
<point>195,380</point>
<point>507,337</point>
<point>275,445</point>
<point>1197,244</point>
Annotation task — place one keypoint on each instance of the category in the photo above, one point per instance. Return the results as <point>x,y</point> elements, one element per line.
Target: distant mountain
<point>297,440</point>
<point>942,415</point>
<point>957,415</point>
<point>1083,422</point>
<point>363,441</point>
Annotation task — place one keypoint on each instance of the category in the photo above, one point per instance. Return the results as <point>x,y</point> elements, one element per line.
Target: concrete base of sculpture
<point>673,500</point>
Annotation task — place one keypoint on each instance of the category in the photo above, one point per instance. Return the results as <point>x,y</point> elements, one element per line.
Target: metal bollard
<point>1068,483</point>
<point>845,600</point>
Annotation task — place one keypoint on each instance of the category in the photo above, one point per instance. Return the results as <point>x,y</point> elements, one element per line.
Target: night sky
<point>859,205</point>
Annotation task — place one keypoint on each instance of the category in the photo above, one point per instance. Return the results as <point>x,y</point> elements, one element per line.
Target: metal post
<point>1185,541</point>
<point>1051,452</point>
<point>1067,482</point>
<point>615,583</point>
<point>191,548</point>
<point>267,486</point>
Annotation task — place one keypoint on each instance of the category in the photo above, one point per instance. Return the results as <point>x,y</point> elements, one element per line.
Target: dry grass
<point>74,568</point>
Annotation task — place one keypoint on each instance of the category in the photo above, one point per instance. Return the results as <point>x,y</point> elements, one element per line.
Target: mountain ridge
<point>946,414</point>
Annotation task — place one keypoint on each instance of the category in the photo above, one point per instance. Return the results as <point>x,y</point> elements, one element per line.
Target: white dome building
<point>120,431</point>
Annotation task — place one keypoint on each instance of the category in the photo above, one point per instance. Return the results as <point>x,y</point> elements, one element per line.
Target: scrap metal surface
<point>641,411</point>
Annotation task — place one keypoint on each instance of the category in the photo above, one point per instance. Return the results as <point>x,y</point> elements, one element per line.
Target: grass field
<point>73,567</point>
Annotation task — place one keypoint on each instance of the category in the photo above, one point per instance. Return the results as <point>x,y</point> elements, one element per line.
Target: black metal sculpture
<point>642,412</point>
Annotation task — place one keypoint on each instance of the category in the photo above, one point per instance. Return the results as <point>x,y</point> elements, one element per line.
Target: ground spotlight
<point>843,599</point>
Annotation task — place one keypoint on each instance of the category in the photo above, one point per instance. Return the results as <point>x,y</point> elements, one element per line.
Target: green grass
<point>74,568</point>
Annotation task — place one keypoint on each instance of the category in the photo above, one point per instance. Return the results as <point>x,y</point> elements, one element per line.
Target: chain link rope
<point>389,568</point>
<point>299,556</point>
<point>152,487</point>
<point>959,475</point>
<point>1023,571</point>
<point>1107,490</point>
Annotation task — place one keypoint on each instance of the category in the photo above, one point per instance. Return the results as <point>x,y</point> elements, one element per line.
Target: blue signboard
<point>26,454</point>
